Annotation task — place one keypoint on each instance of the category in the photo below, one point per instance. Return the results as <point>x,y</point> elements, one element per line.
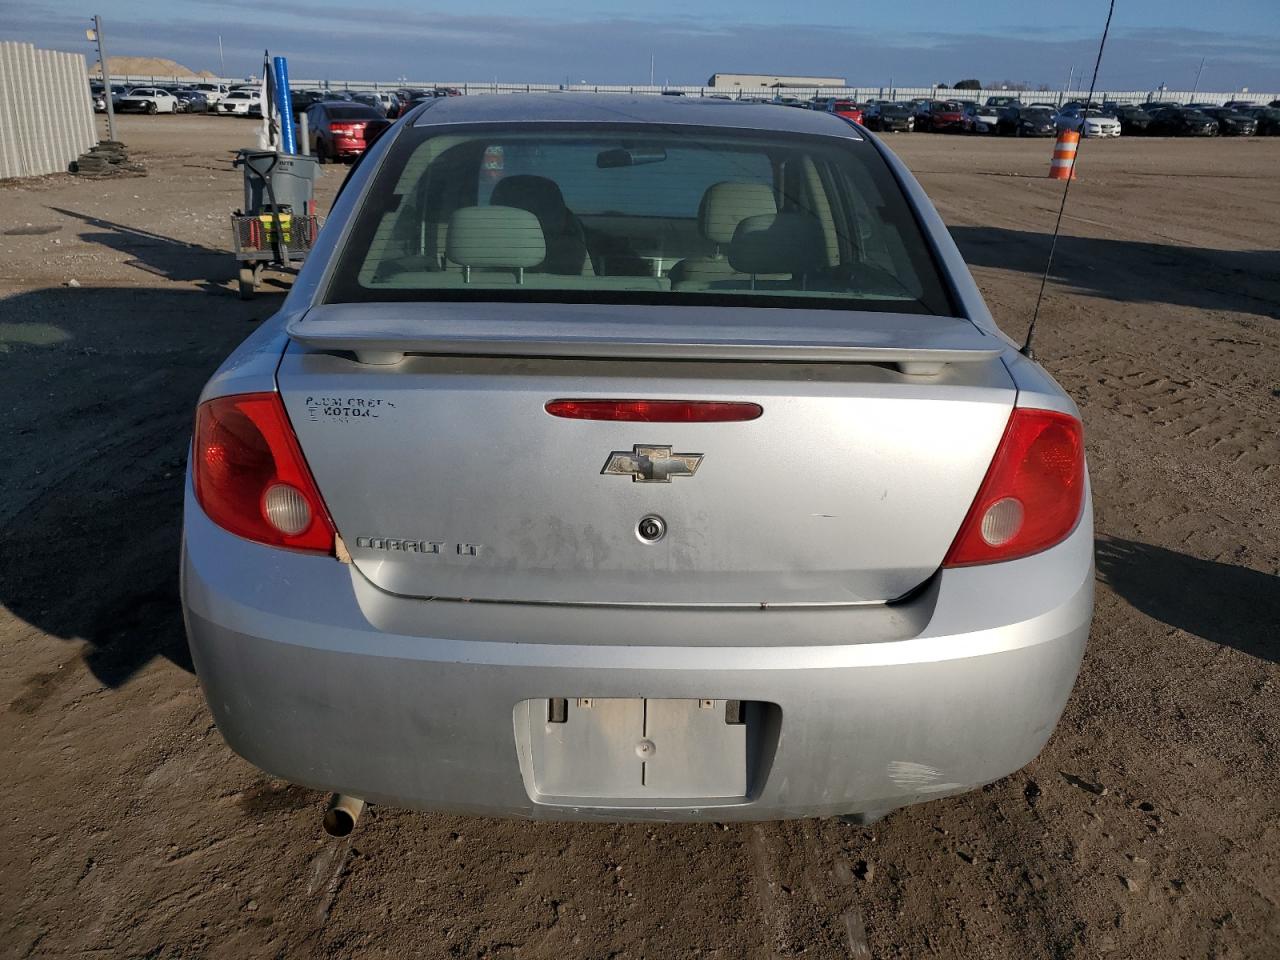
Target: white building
<point>758,80</point>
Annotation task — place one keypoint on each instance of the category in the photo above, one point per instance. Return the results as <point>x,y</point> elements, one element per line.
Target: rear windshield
<point>613,213</point>
<point>353,112</point>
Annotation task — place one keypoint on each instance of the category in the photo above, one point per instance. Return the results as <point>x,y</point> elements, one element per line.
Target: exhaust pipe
<point>340,819</point>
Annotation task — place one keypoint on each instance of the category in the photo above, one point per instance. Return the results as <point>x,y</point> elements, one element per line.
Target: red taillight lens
<point>251,477</point>
<point>347,129</point>
<point>1033,492</point>
<point>656,411</point>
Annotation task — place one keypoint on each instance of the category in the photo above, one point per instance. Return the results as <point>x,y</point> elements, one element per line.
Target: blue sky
<point>912,42</point>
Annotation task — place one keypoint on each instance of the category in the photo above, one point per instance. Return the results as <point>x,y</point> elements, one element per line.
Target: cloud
<point>381,42</point>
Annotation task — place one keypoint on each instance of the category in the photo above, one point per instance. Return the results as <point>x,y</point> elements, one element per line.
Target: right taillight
<point>250,475</point>
<point>1032,495</point>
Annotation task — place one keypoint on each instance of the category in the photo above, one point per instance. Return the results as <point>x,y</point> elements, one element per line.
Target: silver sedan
<point>635,458</point>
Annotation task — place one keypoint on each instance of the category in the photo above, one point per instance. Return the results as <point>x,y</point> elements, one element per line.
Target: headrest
<point>727,204</point>
<point>778,243</point>
<point>495,237</point>
<point>538,195</point>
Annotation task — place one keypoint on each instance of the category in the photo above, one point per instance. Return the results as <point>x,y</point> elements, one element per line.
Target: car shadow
<point>93,450</point>
<point>1247,281</point>
<point>1219,602</point>
<point>160,255</point>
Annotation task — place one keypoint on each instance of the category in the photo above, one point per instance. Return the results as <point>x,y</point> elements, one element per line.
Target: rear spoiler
<point>382,333</point>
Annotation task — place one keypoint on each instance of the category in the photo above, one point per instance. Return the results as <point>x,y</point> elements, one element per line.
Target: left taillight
<point>251,478</point>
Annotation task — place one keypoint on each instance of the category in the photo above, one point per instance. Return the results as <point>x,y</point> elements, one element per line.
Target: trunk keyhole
<point>651,529</point>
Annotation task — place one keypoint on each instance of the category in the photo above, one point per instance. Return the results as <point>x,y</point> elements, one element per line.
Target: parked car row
<point>389,104</point>
<point>998,115</point>
<point>167,98</point>
<point>1009,116</point>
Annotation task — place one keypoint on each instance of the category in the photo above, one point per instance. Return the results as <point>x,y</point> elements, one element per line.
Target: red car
<point>337,129</point>
<point>847,109</point>
<point>940,115</point>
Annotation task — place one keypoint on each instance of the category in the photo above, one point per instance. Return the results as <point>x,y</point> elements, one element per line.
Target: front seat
<point>723,207</point>
<point>565,238</point>
<point>779,251</point>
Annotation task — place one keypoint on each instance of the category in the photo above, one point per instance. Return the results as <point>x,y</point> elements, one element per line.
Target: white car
<point>213,92</point>
<point>1088,123</point>
<point>148,100</point>
<point>244,103</point>
<point>980,119</point>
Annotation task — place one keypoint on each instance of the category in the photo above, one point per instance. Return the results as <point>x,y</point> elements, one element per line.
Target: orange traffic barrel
<point>1063,164</point>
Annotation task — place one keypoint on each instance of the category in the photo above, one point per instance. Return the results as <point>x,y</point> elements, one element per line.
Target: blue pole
<point>284,104</point>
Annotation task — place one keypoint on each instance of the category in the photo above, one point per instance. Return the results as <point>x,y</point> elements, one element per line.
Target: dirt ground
<point>1148,828</point>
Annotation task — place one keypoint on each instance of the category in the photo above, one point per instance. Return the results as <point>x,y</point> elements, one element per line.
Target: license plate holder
<point>637,749</point>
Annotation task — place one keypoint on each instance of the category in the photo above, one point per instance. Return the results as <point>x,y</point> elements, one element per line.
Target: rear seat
<point>499,246</point>
<point>565,239</point>
<point>495,238</point>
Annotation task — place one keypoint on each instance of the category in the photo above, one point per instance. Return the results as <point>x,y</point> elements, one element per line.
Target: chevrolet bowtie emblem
<point>649,464</point>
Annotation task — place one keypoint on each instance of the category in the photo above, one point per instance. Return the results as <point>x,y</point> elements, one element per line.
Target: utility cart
<point>278,224</point>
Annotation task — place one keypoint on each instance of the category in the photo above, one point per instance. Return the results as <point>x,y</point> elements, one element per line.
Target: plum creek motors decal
<point>347,409</point>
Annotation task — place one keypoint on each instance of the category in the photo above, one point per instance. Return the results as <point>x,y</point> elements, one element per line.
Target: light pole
<point>1196,89</point>
<point>96,35</point>
<point>222,61</point>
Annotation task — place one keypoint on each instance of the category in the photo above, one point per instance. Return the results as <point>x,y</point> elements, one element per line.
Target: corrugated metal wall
<point>46,115</point>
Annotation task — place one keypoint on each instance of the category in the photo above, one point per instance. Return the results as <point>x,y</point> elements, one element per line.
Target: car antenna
<point>1066,190</point>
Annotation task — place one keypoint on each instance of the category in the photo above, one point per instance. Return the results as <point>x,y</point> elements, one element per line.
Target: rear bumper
<point>316,677</point>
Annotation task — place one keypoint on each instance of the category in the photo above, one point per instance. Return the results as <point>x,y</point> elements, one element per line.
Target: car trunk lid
<point>447,476</point>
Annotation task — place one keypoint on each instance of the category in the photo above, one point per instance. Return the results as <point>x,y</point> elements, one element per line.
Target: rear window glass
<point>352,113</point>
<point>612,213</point>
